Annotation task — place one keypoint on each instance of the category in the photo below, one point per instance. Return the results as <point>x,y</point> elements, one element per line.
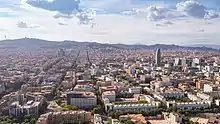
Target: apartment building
<point>25,104</point>
<point>109,95</point>
<point>82,99</point>
<point>129,107</point>
<point>135,90</point>
<point>189,105</point>
<point>65,117</point>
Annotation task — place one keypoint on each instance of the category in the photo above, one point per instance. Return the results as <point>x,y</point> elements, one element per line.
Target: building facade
<point>82,99</point>
<point>69,117</point>
<point>158,57</point>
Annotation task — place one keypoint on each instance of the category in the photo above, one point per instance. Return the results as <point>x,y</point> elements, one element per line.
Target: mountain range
<point>38,43</point>
<point>214,46</point>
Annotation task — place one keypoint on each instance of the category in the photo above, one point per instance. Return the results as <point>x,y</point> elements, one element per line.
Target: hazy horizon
<point>187,45</point>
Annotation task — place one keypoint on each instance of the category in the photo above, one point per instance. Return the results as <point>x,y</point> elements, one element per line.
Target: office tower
<point>158,57</point>
<point>184,62</point>
<point>61,53</point>
<point>177,62</point>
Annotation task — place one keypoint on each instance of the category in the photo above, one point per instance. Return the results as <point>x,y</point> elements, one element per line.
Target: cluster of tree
<point>126,121</point>
<point>69,108</point>
<point>8,120</point>
<point>27,119</point>
<point>185,99</point>
<point>185,114</point>
<point>193,111</point>
<point>144,113</point>
<point>142,102</point>
<point>97,110</point>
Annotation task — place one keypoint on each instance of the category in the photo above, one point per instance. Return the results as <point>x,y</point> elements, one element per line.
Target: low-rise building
<point>86,88</point>
<point>169,118</point>
<point>135,90</point>
<point>193,97</point>
<point>189,105</point>
<point>136,118</point>
<point>110,95</point>
<point>129,107</point>
<point>97,119</point>
<point>204,96</point>
<point>115,121</point>
<point>159,97</point>
<point>210,87</point>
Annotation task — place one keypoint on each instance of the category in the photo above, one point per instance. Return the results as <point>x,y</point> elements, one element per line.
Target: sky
<point>182,22</point>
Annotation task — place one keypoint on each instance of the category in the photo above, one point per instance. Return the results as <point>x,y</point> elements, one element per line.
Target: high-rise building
<point>177,62</point>
<point>158,57</point>
<point>82,99</point>
<point>61,53</point>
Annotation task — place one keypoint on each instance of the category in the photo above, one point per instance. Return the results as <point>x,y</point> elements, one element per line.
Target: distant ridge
<point>39,43</point>
<point>207,45</point>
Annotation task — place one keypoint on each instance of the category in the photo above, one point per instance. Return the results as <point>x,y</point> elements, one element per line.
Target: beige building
<point>65,117</point>
<point>169,118</point>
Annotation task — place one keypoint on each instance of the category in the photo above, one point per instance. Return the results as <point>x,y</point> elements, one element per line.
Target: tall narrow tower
<point>158,57</point>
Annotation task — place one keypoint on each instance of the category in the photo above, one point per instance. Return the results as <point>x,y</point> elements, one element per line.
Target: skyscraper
<point>61,53</point>
<point>158,57</point>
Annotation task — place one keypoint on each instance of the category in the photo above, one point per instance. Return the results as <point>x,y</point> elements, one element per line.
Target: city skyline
<point>142,21</point>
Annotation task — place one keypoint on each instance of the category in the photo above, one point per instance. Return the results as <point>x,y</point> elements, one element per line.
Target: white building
<point>130,107</point>
<point>204,96</point>
<point>197,60</point>
<point>151,100</point>
<point>217,102</point>
<point>115,121</point>
<point>173,94</point>
<point>135,90</point>
<point>97,119</point>
<point>148,98</point>
<point>27,104</point>
<point>159,97</point>
<point>82,99</point>
<point>173,118</point>
<point>190,105</point>
<point>193,97</point>
<point>210,87</point>
<point>110,95</point>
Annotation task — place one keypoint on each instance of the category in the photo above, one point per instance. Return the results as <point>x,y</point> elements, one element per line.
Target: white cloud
<point>22,24</point>
<point>151,13</point>
<point>211,15</point>
<point>187,8</point>
<point>195,9</point>
<point>58,15</point>
<point>200,30</point>
<point>129,30</point>
<point>64,9</point>
<point>112,28</point>
<point>155,13</point>
<point>168,23</point>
